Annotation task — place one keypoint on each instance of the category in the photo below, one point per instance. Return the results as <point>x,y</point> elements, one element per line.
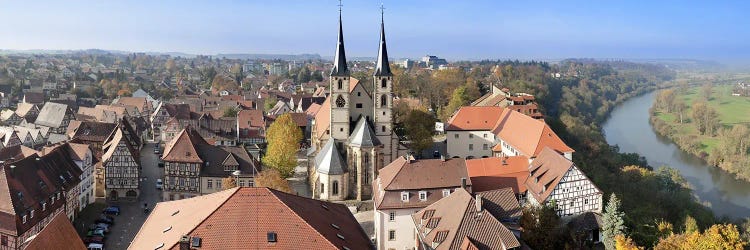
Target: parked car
<point>159,184</point>
<point>93,239</point>
<point>103,226</point>
<point>112,210</point>
<point>161,164</point>
<point>96,232</point>
<point>96,246</point>
<point>436,154</point>
<point>157,150</point>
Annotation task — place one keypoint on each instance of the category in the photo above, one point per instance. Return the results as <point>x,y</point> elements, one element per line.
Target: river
<point>629,128</point>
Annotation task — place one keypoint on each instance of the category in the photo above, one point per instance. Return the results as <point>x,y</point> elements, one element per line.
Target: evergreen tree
<point>613,222</point>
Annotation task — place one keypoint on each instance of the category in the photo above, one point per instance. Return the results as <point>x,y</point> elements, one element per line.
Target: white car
<point>159,184</point>
<point>96,246</point>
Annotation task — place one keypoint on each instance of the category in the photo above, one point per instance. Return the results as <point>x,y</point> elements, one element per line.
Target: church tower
<point>383,100</point>
<point>339,87</point>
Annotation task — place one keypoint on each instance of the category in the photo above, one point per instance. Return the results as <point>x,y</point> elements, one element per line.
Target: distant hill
<point>300,57</point>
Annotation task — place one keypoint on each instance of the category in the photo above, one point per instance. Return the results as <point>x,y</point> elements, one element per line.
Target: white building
<point>406,186</point>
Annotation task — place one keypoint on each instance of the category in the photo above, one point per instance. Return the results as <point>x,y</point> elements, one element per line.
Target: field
<point>732,110</point>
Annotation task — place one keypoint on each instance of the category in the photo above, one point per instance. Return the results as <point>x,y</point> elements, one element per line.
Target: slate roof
<point>339,60</point>
<point>241,218</point>
<point>448,222</point>
<point>382,68</point>
<point>328,160</point>
<point>52,114</point>
<point>363,135</point>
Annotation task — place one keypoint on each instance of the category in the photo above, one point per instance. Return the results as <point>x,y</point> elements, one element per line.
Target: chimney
<point>463,182</point>
<point>478,203</point>
<point>185,242</point>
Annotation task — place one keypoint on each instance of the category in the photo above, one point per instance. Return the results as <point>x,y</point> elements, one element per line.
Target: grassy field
<point>732,110</point>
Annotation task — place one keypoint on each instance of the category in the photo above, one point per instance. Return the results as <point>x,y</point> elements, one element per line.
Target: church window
<point>322,187</point>
<point>383,83</point>
<point>359,105</point>
<point>340,102</point>
<point>383,101</point>
<point>335,187</point>
<point>341,84</point>
<point>383,128</point>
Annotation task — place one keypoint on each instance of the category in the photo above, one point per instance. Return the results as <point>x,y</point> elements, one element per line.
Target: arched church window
<point>340,102</point>
<point>383,101</point>
<point>341,84</point>
<point>366,168</point>
<point>383,83</point>
<point>335,187</point>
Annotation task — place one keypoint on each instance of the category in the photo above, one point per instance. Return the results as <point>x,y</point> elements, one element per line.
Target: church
<point>352,133</point>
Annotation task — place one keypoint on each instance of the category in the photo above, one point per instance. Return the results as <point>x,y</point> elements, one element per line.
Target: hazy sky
<point>454,29</point>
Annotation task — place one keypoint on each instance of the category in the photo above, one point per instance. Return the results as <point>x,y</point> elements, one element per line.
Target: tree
<point>706,91</point>
<point>613,222</point>
<point>230,112</point>
<point>419,126</point>
<point>625,243</point>
<point>691,226</point>
<point>719,236</point>
<point>706,118</point>
<point>540,225</point>
<point>458,99</point>
<point>283,138</point>
<point>228,182</point>
<point>271,178</point>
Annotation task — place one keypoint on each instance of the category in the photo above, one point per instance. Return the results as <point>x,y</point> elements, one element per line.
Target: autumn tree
<point>691,226</point>
<point>283,138</point>
<point>705,118</point>
<point>419,126</point>
<point>228,182</point>
<point>719,236</point>
<point>230,112</point>
<point>540,225</point>
<point>271,178</point>
<point>706,91</point>
<point>625,243</point>
<point>613,222</point>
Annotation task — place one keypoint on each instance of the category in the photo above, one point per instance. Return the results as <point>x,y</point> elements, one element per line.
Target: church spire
<point>339,61</point>
<point>382,68</point>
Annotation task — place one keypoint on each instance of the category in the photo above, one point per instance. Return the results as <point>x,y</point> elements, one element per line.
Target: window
<point>383,101</point>
<point>392,216</point>
<point>471,136</point>
<point>382,128</point>
<point>271,236</point>
<point>455,136</point>
<point>341,84</point>
<point>446,192</point>
<point>359,93</point>
<point>322,188</point>
<point>32,214</point>
<point>4,240</point>
<point>242,183</point>
<point>210,184</point>
<point>359,105</point>
<point>218,185</point>
<point>44,206</point>
<point>471,147</point>
<point>391,234</point>
<point>24,219</point>
<point>383,83</point>
<point>404,196</point>
<point>335,187</point>
<point>422,195</point>
<point>484,135</point>
<point>485,146</point>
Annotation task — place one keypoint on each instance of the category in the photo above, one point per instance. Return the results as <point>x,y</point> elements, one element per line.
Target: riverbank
<point>724,147</point>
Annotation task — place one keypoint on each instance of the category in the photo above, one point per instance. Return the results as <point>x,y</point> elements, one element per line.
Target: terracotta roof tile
<point>475,118</point>
<point>59,234</point>
<point>527,135</point>
<point>498,172</point>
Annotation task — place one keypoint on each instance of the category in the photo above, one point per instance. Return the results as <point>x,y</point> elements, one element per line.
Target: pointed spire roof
<point>339,60</point>
<point>363,135</point>
<point>328,161</point>
<point>382,68</point>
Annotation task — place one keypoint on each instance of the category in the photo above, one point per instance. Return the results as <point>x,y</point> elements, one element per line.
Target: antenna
<point>340,5</point>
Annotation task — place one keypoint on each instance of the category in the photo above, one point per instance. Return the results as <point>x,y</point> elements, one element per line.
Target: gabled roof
<point>23,108</point>
<point>52,114</point>
<point>475,118</point>
<point>242,218</point>
<point>528,135</point>
<point>447,223</point>
<point>402,174</point>
<point>250,118</point>
<point>363,135</point>
<point>183,147</point>
<point>7,114</point>
<point>547,170</point>
<point>59,233</point>
<point>141,103</point>
<point>498,172</point>
<point>329,161</point>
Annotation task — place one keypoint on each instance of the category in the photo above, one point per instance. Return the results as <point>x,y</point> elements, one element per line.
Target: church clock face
<point>340,102</point>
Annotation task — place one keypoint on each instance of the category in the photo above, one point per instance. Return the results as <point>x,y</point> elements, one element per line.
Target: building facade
<point>121,168</point>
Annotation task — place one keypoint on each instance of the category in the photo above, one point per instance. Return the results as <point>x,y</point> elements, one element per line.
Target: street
<point>131,216</point>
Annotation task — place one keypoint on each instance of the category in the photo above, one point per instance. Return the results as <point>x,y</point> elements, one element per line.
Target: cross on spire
<point>340,5</point>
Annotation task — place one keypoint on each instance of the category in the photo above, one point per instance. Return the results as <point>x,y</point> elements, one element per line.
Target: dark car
<point>93,239</point>
<point>96,232</point>
<point>436,154</point>
<point>112,210</point>
<point>161,164</point>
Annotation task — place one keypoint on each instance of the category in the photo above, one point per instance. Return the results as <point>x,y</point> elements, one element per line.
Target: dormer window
<point>405,196</point>
<point>422,195</point>
<point>32,214</point>
<point>44,206</point>
<point>24,219</point>
<point>446,192</point>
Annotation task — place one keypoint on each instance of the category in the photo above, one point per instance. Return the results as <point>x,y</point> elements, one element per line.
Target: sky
<point>456,30</point>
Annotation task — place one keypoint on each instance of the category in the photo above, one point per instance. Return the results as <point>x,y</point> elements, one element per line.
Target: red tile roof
<point>59,234</point>
<point>432,176</point>
<point>498,172</point>
<point>241,218</point>
<point>475,118</point>
<point>547,170</point>
<point>250,118</point>
<point>183,148</point>
<point>527,135</point>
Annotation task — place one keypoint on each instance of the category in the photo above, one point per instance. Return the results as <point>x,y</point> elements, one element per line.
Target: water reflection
<point>629,128</point>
